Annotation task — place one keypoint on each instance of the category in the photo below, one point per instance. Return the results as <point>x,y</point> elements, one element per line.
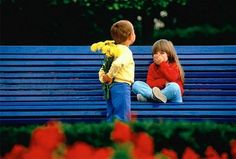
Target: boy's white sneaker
<point>141,98</point>
<point>158,96</point>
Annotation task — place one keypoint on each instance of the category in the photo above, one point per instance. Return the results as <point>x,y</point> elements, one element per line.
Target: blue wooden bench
<point>40,83</point>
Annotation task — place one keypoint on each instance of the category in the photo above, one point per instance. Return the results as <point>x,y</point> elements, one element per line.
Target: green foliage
<point>93,133</point>
<point>122,151</point>
<point>204,34</point>
<point>11,135</point>
<point>82,22</point>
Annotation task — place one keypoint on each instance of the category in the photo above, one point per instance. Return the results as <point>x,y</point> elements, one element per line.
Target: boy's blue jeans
<point>171,91</point>
<point>119,103</point>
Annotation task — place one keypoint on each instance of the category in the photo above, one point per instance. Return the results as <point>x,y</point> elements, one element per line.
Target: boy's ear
<point>129,37</point>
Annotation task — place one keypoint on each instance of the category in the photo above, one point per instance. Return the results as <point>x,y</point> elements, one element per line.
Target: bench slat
<point>98,62</point>
<point>102,103</point>
<point>17,75</point>
<point>98,98</point>
<point>227,49</point>
<point>153,113</point>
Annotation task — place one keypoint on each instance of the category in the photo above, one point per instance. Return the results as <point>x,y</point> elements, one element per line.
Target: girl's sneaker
<point>158,96</point>
<point>141,98</point>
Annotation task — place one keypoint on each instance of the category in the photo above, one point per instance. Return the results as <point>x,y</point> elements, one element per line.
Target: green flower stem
<point>106,67</point>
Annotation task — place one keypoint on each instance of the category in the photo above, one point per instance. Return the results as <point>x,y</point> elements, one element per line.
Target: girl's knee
<point>174,86</point>
<point>136,85</point>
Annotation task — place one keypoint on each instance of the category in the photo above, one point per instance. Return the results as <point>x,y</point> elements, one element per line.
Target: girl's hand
<point>157,59</point>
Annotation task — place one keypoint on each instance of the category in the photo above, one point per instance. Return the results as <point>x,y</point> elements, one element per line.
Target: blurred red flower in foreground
<point>143,146</point>
<point>121,133</point>
<point>233,148</point>
<point>48,142</point>
<point>81,150</point>
<point>190,154</point>
<point>48,137</point>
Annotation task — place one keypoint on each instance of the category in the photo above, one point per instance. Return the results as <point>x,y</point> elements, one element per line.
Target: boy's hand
<point>107,79</point>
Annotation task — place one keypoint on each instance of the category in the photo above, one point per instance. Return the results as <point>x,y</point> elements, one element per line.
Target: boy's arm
<point>101,73</point>
<point>103,77</point>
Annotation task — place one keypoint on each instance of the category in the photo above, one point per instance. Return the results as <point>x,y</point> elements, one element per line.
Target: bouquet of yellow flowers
<point>110,51</point>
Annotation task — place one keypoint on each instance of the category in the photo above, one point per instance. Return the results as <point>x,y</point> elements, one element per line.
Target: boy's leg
<point>140,87</point>
<point>121,101</point>
<point>110,110</point>
<point>172,92</point>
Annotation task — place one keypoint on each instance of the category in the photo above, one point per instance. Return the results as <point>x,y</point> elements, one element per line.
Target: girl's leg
<point>172,92</point>
<point>140,87</point>
<point>121,101</point>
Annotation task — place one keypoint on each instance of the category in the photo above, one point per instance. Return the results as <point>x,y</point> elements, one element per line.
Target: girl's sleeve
<point>170,71</point>
<point>152,81</point>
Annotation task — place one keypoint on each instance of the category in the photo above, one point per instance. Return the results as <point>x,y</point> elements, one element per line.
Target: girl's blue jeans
<point>119,103</point>
<point>171,91</point>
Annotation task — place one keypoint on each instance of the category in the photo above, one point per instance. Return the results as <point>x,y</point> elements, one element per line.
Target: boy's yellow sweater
<point>122,68</point>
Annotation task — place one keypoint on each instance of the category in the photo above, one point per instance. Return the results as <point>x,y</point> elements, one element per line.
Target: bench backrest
<point>67,75</point>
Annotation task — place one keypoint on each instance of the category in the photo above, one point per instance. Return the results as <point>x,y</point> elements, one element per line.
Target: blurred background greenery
<point>83,22</point>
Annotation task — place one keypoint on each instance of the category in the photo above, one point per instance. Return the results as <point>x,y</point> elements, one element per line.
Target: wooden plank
<point>102,103</point>
<point>100,57</point>
<point>143,106</point>
<point>99,98</point>
<point>99,92</point>
<point>153,113</point>
<point>201,49</point>
<point>15,75</point>
<point>96,81</point>
<point>92,62</point>
<point>96,68</point>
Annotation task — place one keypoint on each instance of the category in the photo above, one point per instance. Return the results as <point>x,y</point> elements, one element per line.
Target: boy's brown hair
<point>121,30</point>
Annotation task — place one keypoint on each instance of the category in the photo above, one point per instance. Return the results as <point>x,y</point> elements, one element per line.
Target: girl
<point>165,76</point>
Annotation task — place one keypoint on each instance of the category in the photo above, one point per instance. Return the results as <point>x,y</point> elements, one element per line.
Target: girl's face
<point>161,55</point>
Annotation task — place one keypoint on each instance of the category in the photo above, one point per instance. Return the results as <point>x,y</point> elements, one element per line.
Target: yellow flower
<point>105,50</point>
<point>108,42</point>
<point>108,48</point>
<point>93,48</point>
<point>100,45</point>
<point>115,51</point>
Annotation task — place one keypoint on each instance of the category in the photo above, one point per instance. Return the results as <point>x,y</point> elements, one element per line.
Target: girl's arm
<point>170,71</point>
<point>152,81</point>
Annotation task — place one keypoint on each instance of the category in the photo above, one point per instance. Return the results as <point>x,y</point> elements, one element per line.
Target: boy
<point>121,73</point>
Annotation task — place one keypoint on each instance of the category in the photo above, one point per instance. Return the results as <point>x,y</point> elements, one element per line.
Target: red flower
<point>80,150</point>
<point>224,156</point>
<point>103,153</point>
<point>16,152</point>
<point>47,137</point>
<point>169,153</point>
<point>143,146</point>
<point>211,153</point>
<point>121,133</point>
<point>190,154</point>
<point>233,148</point>
<point>37,153</point>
